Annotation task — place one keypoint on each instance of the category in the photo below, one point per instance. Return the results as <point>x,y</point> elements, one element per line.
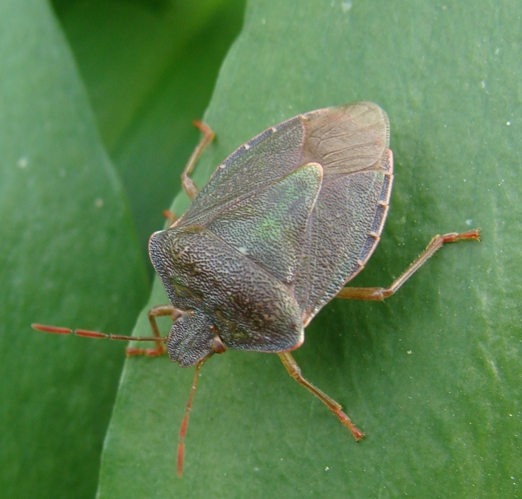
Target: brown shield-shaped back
<point>351,144</point>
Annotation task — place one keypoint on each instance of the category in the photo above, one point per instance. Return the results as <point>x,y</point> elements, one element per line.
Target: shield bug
<point>282,225</point>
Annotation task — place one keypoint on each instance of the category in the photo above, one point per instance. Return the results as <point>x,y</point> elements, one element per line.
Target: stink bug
<point>282,225</point>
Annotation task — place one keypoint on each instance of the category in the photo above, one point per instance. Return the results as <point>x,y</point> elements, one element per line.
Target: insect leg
<point>295,372</point>
<point>435,244</point>
<point>208,136</point>
<point>157,311</point>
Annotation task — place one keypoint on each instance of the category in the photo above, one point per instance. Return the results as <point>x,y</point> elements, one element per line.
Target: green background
<point>96,101</point>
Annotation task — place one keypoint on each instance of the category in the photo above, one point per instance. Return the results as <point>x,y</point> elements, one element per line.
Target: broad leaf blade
<point>432,375</point>
<point>68,255</point>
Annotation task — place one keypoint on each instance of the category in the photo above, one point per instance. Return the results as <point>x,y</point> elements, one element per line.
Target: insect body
<point>282,225</point>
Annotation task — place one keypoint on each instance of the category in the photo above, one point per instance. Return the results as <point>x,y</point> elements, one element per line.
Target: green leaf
<point>69,255</point>
<point>150,66</point>
<point>69,252</point>
<point>433,374</point>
